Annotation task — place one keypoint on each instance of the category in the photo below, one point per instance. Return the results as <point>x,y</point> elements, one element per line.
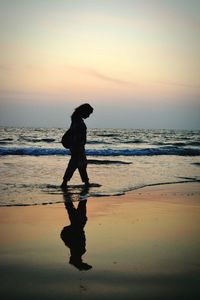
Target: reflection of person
<point>77,148</point>
<point>73,235</point>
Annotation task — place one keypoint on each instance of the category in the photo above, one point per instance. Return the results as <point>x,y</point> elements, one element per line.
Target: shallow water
<point>33,161</point>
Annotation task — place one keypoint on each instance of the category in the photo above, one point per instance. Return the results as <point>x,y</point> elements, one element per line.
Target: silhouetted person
<point>73,235</point>
<point>77,148</point>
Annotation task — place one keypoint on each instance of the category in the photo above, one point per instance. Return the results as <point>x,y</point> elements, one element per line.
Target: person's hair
<point>81,110</point>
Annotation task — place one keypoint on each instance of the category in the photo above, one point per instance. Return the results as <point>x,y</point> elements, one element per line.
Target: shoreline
<point>141,245</point>
<point>120,194</point>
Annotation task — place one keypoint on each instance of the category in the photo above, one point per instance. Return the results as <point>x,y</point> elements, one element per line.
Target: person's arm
<point>79,134</point>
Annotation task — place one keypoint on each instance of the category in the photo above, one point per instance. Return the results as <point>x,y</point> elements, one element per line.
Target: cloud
<point>108,78</point>
<point>104,77</point>
<point>180,84</point>
<point>101,76</point>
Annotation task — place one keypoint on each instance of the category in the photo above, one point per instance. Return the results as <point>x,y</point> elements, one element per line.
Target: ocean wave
<point>193,144</point>
<point>32,151</point>
<point>6,141</point>
<point>178,144</point>
<point>146,152</point>
<point>104,134</point>
<point>35,140</point>
<point>98,142</point>
<point>136,141</point>
<point>36,151</point>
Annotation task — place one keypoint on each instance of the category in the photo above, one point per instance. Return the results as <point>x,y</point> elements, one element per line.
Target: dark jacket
<point>79,132</point>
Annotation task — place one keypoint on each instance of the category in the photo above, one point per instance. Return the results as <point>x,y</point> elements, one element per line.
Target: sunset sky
<point>137,62</point>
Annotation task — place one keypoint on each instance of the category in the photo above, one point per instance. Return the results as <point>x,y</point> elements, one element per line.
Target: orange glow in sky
<point>107,51</point>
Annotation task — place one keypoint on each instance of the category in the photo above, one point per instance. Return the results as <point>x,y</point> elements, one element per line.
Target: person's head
<point>83,111</point>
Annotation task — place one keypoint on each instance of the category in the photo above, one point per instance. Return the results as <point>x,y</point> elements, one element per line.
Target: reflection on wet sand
<point>73,235</point>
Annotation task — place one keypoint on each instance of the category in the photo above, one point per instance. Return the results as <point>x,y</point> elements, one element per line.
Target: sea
<point>33,161</point>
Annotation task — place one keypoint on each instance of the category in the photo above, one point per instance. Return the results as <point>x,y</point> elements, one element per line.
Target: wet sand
<point>143,245</point>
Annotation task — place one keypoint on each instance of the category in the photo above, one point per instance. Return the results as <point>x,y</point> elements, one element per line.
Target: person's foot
<point>64,185</point>
<point>87,183</point>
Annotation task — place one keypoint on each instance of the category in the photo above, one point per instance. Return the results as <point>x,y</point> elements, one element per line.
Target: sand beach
<point>143,245</point>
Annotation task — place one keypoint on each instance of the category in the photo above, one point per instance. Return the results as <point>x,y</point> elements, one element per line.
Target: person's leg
<point>83,174</point>
<point>72,213</point>
<point>81,212</point>
<point>72,166</point>
<point>82,167</point>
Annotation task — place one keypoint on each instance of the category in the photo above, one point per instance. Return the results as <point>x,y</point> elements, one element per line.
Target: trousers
<point>78,161</point>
